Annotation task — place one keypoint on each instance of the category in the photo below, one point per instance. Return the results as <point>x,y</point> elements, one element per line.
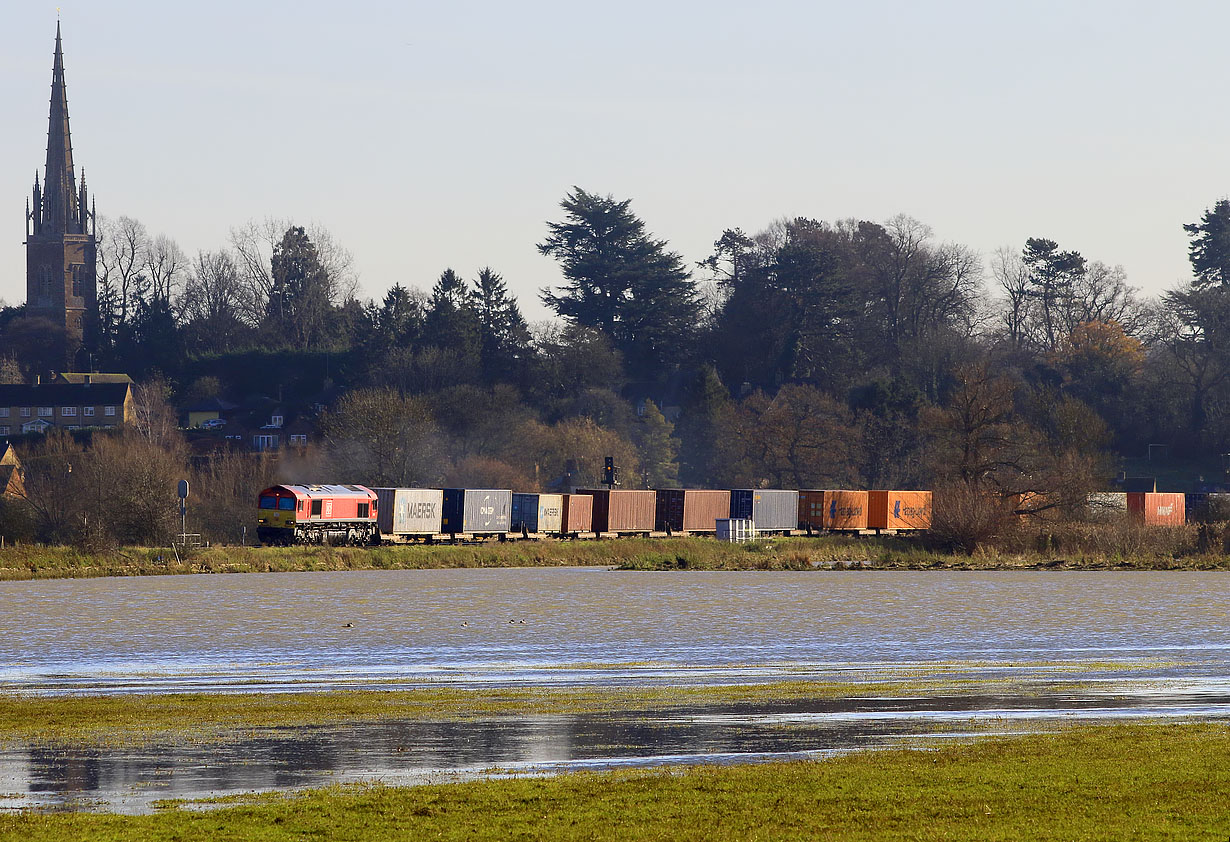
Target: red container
<point>1158,509</point>
<point>622,510</point>
<point>578,513</point>
<point>690,510</point>
<point>899,509</point>
<point>811,509</point>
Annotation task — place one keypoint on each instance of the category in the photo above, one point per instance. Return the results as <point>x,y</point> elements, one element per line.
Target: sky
<point>427,136</point>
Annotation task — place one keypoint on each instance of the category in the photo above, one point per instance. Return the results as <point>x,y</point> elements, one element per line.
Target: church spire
<point>60,211</point>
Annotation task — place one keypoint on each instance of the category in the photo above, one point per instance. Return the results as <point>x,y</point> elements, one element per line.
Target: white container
<point>735,530</point>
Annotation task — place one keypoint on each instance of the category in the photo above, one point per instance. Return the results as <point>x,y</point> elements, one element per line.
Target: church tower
<point>60,227</point>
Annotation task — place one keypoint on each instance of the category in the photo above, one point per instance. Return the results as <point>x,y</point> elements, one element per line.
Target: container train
<point>357,514</point>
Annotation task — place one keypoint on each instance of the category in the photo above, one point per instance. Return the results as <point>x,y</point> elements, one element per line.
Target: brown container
<point>844,510</point>
<point>622,510</point>
<point>690,510</point>
<point>899,509</point>
<point>811,509</point>
<point>1157,509</point>
<point>578,513</point>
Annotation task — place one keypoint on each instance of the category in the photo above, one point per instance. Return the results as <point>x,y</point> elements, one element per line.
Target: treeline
<point>808,354</point>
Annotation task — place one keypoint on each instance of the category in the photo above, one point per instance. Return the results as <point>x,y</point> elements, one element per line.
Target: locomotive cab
<point>317,514</point>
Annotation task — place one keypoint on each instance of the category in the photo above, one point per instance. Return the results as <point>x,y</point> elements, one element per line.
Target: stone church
<point>60,232</point>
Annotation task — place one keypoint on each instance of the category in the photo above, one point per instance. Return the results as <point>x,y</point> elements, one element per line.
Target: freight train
<point>356,514</point>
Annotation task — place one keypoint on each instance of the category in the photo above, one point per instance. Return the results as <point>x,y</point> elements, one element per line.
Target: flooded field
<point>1070,646</point>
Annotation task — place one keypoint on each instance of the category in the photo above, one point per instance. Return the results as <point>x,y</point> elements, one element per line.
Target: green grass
<point>1140,782</point>
<point>827,552</point>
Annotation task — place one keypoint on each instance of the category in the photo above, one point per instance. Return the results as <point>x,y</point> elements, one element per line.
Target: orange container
<point>1157,509</point>
<point>811,509</point>
<point>899,509</point>
<point>844,510</point>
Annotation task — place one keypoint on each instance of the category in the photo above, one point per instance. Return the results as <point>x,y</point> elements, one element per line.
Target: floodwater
<point>1070,646</point>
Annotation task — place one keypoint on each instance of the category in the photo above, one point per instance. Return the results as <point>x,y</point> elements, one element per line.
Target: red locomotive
<point>317,514</point>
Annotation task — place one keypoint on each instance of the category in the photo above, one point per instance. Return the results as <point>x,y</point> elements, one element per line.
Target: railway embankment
<point>1077,547</point>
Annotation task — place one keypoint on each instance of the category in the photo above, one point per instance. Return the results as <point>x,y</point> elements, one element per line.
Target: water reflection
<point>127,780</point>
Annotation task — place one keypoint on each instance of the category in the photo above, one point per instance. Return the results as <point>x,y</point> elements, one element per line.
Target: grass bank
<point>1091,549</point>
<point>1110,783</point>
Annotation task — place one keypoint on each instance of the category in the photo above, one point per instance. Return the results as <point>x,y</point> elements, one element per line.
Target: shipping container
<point>550,513</point>
<point>578,514</point>
<point>476,511</point>
<point>772,510</point>
<point>410,511</point>
<point>811,509</point>
<point>623,510</point>
<point>524,517</point>
<point>1157,509</point>
<point>735,530</point>
<point>899,509</point>
<point>1107,505</point>
<point>690,510</point>
<point>1211,507</point>
<point>844,510</point>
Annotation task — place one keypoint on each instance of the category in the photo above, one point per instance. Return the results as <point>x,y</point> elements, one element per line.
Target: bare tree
<point>121,255</point>
<point>212,306</point>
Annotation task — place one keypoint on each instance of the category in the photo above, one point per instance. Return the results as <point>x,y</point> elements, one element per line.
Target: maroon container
<point>578,513</point>
<point>621,510</point>
<point>811,509</point>
<point>691,510</point>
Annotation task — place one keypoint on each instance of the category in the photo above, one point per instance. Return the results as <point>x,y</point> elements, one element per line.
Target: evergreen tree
<point>450,322</point>
<point>299,309</point>
<point>1210,247</point>
<point>658,448</point>
<point>504,338</point>
<point>621,281</point>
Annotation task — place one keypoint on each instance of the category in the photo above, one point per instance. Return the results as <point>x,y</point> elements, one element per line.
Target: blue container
<point>524,512</point>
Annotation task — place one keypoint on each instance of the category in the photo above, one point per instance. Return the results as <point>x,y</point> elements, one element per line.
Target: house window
<point>78,279</point>
<point>264,442</point>
<point>300,438</point>
<point>45,412</point>
<point>68,411</point>
<point>275,421</point>
<point>87,411</point>
<point>4,412</point>
<point>109,410</point>
<point>4,430</point>
<point>25,412</point>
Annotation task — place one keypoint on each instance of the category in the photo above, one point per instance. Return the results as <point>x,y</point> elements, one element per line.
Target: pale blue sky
<point>426,136</point>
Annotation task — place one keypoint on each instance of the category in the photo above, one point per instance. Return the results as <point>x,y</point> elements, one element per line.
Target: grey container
<point>476,511</point>
<point>409,511</point>
<point>771,510</point>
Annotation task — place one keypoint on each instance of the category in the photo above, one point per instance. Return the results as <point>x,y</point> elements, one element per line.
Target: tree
<point>254,244</point>
<point>1209,250</point>
<point>380,437</point>
<point>1053,276</point>
<point>212,304</point>
<point>504,338</point>
<point>658,448</point>
<point>621,281</point>
<point>450,322</point>
<point>299,303</point>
